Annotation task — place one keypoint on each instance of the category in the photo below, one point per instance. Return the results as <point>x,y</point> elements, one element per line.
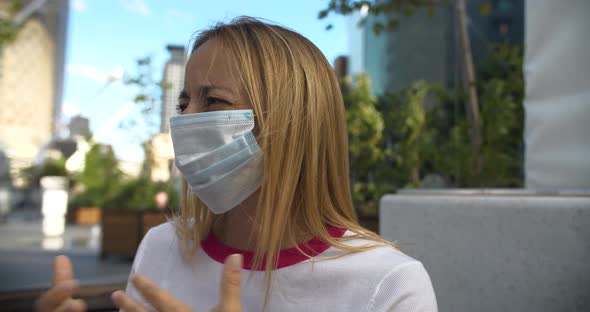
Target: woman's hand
<point>59,297</point>
<point>162,301</point>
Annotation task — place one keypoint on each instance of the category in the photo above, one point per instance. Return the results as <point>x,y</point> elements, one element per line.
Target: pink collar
<point>218,251</point>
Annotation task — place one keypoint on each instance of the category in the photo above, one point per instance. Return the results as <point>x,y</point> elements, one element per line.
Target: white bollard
<point>5,200</point>
<point>54,204</point>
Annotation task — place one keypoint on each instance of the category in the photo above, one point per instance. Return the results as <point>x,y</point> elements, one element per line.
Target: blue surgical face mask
<point>217,154</point>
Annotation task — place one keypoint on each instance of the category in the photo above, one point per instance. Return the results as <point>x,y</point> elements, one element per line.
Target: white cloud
<point>79,5</point>
<point>137,6</point>
<point>94,73</point>
<point>87,71</point>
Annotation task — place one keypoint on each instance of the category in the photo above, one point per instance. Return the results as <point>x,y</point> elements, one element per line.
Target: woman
<point>261,142</point>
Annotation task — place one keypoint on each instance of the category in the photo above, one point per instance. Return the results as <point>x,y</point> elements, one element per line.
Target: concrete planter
<point>496,250</point>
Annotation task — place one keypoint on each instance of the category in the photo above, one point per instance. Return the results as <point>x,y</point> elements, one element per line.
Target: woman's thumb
<point>230,284</point>
<point>62,269</point>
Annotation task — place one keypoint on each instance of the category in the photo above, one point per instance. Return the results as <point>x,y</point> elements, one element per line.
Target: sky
<point>106,37</point>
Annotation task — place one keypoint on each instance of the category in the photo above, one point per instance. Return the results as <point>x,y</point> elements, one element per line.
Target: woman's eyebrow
<point>208,88</point>
<point>183,95</point>
<point>205,90</point>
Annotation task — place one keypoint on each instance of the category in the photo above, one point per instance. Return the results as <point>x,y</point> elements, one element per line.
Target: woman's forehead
<point>210,64</point>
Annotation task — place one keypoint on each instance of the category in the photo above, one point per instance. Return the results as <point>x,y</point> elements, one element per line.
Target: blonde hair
<point>301,128</point>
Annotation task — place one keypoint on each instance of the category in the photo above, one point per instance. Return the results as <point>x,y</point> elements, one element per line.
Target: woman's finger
<point>125,302</point>
<point>71,305</point>
<point>159,298</point>
<point>55,296</point>
<point>62,269</point>
<point>230,284</point>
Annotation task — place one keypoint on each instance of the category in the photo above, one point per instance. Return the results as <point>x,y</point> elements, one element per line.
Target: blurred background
<point>468,121</point>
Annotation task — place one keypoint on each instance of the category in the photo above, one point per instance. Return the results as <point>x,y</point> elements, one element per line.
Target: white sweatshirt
<point>381,279</point>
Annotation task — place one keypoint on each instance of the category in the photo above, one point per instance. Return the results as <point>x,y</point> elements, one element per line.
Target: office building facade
<point>173,83</point>
<point>425,45</point>
<point>31,80</point>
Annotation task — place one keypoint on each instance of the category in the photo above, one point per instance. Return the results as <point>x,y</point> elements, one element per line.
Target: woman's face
<point>210,84</point>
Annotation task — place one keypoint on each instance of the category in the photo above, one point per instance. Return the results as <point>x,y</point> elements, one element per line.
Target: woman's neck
<point>237,227</point>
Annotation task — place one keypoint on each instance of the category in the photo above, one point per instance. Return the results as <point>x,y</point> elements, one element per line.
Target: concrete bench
<point>496,250</point>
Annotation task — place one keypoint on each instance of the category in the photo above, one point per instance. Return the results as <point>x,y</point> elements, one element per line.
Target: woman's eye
<point>180,107</point>
<point>211,100</point>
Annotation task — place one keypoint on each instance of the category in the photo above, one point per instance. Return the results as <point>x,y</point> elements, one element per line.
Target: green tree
<point>365,129</point>
<point>140,194</point>
<point>5,177</point>
<point>101,177</point>
<point>501,89</point>
<point>415,125</point>
<point>424,136</point>
<point>148,94</point>
<point>391,10</point>
<point>415,120</point>
<point>50,167</point>
<point>148,160</point>
<point>8,28</point>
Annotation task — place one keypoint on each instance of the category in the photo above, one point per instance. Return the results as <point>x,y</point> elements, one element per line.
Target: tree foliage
<point>31,175</point>
<point>140,194</point>
<point>101,177</point>
<point>389,8</point>
<point>387,15</point>
<point>399,139</point>
<point>365,128</point>
<point>8,29</point>
<point>147,98</point>
<point>104,184</point>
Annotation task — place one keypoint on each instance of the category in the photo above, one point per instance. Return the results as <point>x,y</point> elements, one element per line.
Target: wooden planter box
<point>122,230</point>
<point>88,215</point>
<point>150,219</point>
